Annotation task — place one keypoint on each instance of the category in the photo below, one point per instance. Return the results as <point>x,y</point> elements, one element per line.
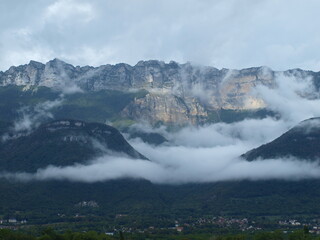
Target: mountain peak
<point>150,63</point>
<point>57,60</point>
<point>35,64</point>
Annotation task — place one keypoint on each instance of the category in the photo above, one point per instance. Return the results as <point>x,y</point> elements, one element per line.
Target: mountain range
<point>159,92</point>
<point>71,106</point>
<point>66,142</point>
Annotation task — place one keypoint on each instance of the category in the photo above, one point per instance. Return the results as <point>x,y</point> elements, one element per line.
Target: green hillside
<point>61,143</point>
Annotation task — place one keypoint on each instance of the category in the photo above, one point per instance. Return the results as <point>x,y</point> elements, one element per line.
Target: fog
<point>184,169</point>
<point>32,117</point>
<point>209,153</point>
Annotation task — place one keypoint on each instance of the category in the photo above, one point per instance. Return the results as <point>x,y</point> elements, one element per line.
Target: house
<point>12,220</point>
<point>179,229</point>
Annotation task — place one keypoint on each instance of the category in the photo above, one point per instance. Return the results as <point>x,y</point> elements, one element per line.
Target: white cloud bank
<point>187,170</point>
<point>209,153</point>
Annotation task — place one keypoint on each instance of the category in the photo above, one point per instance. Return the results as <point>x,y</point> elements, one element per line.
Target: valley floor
<point>124,227</point>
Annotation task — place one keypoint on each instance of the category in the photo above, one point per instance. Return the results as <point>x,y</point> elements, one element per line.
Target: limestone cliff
<point>177,93</point>
<point>166,108</point>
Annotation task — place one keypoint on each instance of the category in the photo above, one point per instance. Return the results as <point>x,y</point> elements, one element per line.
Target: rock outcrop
<point>182,93</point>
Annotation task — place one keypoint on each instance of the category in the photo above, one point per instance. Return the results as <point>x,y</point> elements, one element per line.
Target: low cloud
<point>189,169</point>
<point>32,118</point>
<point>205,154</point>
<point>208,153</point>
<point>294,98</point>
<point>61,80</point>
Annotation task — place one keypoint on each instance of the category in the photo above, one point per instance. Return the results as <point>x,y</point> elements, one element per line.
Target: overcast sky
<point>222,33</point>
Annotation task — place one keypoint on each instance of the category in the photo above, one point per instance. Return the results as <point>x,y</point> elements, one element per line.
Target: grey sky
<point>221,33</point>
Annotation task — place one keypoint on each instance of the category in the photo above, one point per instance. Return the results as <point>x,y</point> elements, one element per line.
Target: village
<point>205,224</point>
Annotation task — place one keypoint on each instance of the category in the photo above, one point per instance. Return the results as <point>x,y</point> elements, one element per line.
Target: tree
<point>121,236</point>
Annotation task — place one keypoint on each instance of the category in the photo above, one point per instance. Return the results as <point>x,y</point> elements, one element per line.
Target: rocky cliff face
<point>166,108</point>
<point>182,93</point>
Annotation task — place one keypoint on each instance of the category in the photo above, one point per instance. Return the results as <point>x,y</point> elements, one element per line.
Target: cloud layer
<point>200,169</point>
<point>209,153</point>
<point>231,34</point>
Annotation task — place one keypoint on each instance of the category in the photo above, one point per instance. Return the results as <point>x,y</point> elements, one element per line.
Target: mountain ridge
<point>61,143</point>
<point>196,92</point>
<point>301,142</point>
